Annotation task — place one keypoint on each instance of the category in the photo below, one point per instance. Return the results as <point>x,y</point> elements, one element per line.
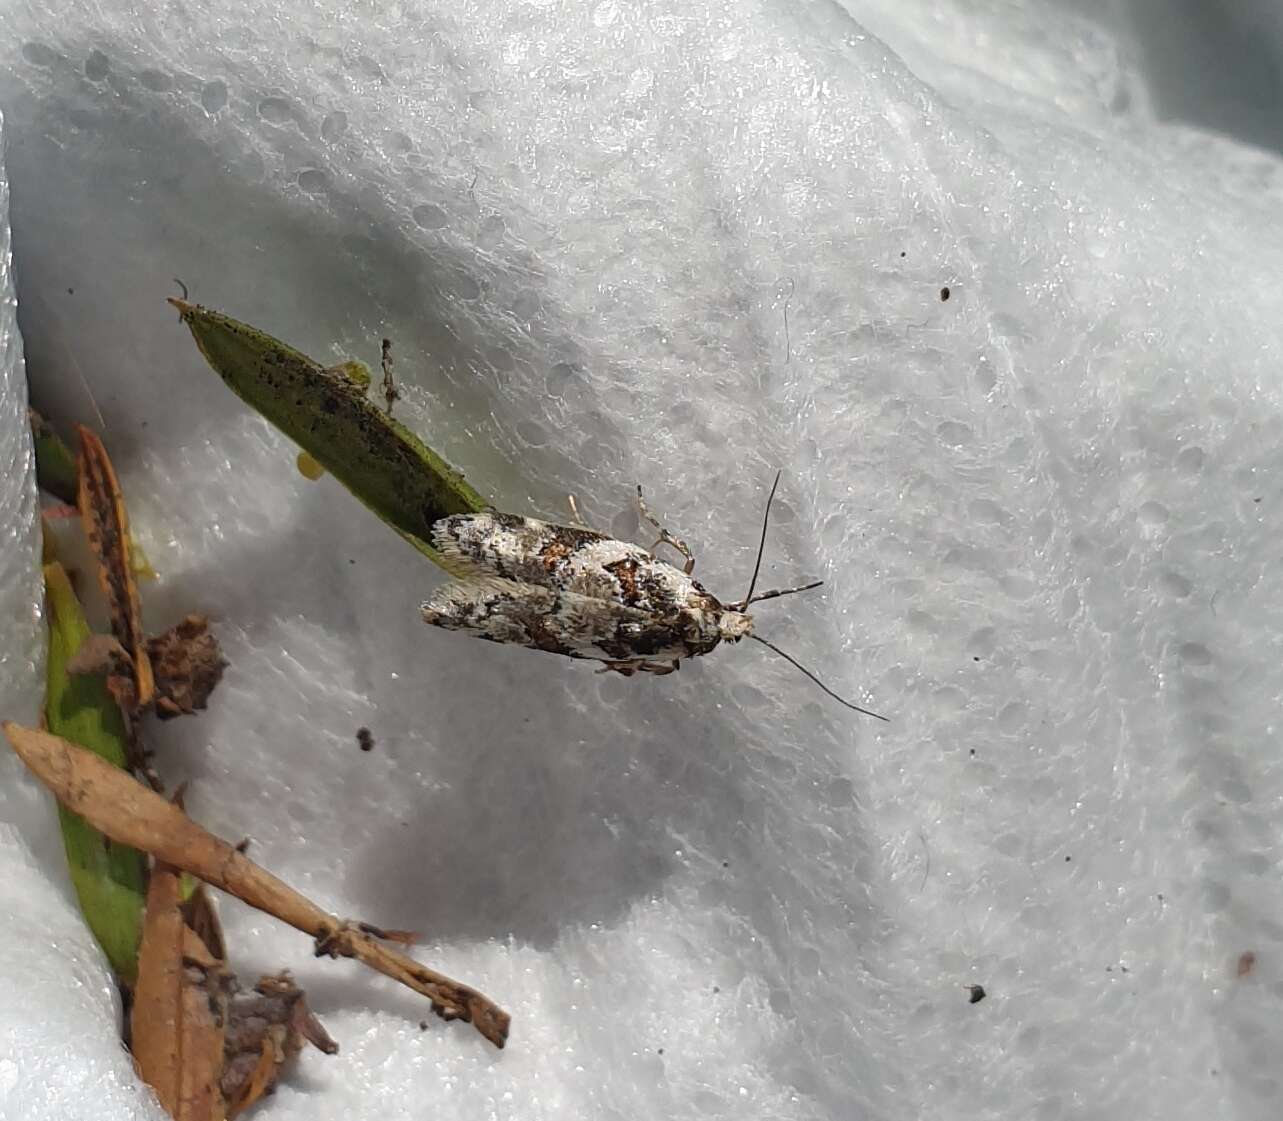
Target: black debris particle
<point>365,739</point>
<point>977,994</point>
<point>944,293</point>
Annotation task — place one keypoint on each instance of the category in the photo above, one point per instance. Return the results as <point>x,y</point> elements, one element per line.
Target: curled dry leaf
<point>102,510</point>
<point>186,666</point>
<point>179,1009</point>
<point>127,812</point>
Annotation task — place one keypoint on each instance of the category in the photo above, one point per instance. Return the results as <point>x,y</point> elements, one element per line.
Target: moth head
<point>734,625</point>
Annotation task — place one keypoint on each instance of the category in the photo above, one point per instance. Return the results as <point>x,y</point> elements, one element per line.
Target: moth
<point>572,591</point>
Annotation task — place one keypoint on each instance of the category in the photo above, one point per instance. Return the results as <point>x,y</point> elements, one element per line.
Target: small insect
<point>572,591</point>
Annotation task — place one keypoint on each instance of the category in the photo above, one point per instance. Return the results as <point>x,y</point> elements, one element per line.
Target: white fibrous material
<point>1012,327</point>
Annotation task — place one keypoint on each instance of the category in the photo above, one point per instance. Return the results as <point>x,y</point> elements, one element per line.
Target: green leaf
<point>55,462</point>
<point>110,879</point>
<point>326,412</point>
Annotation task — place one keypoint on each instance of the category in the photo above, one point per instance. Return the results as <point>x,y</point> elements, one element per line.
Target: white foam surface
<point>683,243</point>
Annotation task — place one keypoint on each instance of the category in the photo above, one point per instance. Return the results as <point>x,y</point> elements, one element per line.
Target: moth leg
<point>626,669</point>
<point>660,668</point>
<point>665,538</point>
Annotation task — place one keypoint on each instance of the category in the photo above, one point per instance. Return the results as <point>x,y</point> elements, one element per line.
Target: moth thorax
<point>734,625</point>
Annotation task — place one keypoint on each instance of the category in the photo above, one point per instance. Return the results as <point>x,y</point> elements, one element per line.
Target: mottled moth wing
<point>560,622</point>
<point>525,550</point>
<point>561,558</point>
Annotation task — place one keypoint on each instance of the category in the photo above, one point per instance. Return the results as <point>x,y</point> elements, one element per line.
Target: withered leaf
<point>199,913</point>
<point>106,522</point>
<point>186,666</point>
<point>179,1009</point>
<point>265,1029</point>
<point>127,812</point>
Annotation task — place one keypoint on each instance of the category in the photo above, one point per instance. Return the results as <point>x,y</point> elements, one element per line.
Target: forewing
<point>556,621</point>
<point>562,558</point>
<point>524,550</point>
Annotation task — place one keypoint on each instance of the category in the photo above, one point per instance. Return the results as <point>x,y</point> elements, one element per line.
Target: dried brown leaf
<point>201,917</point>
<point>179,1008</point>
<point>106,522</point>
<point>127,812</point>
<point>186,666</point>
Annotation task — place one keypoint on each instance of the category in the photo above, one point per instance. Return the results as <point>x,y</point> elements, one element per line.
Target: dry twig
<point>127,812</point>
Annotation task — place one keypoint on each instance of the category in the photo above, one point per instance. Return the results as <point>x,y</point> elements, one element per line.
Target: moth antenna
<point>762,547</point>
<point>794,662</point>
<point>782,592</point>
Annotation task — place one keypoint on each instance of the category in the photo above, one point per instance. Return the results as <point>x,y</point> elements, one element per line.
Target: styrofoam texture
<point>682,245</point>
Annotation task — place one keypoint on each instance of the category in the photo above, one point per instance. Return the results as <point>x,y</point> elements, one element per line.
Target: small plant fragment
<point>187,664</point>
<point>572,591</point>
<point>128,813</point>
<point>365,739</point>
<point>390,392</point>
<point>109,878</point>
<point>265,1030</point>
<point>977,993</point>
<point>55,463</point>
<point>102,510</point>
<point>327,413</point>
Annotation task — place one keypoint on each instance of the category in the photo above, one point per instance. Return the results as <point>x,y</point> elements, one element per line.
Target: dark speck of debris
<point>423,1025</point>
<point>903,253</point>
<point>977,994</point>
<point>944,294</point>
<point>1246,963</point>
<point>365,739</point>
<point>716,989</point>
<point>661,1051</point>
<point>351,560</point>
<point>726,863</point>
<point>1068,859</point>
<point>1256,500</point>
<point>975,657</point>
<point>71,291</point>
<point>243,847</point>
<point>973,751</point>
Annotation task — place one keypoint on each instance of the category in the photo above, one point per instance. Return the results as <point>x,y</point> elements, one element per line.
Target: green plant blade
<point>326,412</point>
<point>110,879</point>
<point>55,462</point>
